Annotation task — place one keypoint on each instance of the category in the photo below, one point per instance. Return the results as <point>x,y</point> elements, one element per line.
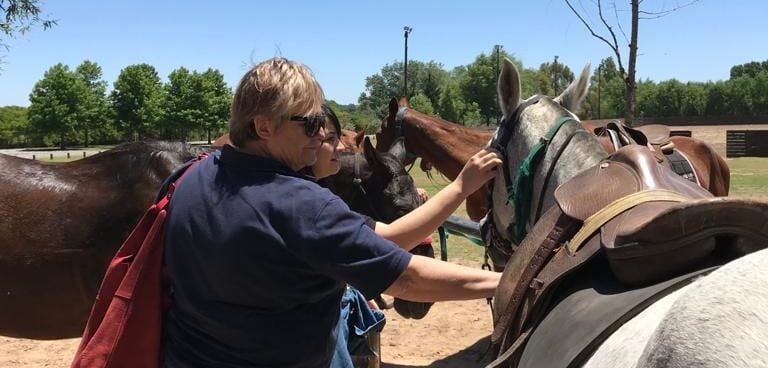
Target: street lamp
<point>599,84</point>
<point>406,30</point>
<point>554,76</point>
<point>498,51</point>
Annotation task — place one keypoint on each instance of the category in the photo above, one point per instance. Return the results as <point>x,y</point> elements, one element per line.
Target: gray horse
<point>719,320</point>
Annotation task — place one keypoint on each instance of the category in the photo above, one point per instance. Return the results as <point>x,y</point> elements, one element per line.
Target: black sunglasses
<point>312,123</point>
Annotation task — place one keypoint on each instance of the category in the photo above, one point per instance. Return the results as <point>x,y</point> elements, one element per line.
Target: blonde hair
<point>275,89</point>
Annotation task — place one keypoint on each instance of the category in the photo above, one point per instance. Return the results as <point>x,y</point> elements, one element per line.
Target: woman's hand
<point>478,170</point>
<point>423,195</point>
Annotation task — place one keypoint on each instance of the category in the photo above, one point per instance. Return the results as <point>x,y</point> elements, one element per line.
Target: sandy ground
<point>452,335</point>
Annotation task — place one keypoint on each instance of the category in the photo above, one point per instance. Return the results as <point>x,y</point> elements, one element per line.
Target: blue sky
<point>345,41</point>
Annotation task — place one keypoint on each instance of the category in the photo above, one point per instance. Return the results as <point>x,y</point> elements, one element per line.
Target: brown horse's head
<point>353,142</point>
<point>391,128</point>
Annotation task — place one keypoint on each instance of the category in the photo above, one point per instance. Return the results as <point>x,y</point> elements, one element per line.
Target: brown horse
<point>709,167</point>
<point>61,223</point>
<point>445,145</point>
<point>448,146</point>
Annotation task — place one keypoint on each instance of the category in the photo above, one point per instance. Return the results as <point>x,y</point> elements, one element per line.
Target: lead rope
<point>487,266</point>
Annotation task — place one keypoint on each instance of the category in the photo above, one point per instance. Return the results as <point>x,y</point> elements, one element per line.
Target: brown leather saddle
<point>647,223</point>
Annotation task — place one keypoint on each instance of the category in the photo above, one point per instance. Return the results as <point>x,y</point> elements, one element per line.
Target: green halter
<point>521,192</point>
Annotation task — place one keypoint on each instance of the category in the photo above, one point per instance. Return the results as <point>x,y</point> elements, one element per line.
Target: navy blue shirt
<point>258,257</point>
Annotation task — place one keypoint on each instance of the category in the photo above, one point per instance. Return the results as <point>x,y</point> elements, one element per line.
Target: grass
<point>460,250</point>
<point>749,177</point>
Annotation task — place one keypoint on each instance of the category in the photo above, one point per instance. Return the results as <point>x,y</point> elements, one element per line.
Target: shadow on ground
<point>469,357</point>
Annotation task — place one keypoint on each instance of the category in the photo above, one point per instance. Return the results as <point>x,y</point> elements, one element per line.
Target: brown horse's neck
<point>446,145</point>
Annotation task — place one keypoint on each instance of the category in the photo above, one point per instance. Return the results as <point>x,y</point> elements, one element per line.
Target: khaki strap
<point>615,208</point>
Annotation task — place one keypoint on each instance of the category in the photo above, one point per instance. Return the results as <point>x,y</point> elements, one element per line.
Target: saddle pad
<point>681,166</point>
<point>581,321</point>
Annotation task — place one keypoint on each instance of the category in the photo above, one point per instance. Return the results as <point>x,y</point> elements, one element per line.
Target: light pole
<point>406,30</point>
<point>599,83</point>
<point>554,76</point>
<point>498,51</point>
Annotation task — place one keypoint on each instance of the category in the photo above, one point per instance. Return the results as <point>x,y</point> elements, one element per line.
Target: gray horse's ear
<point>576,92</point>
<point>398,150</point>
<point>508,87</point>
<point>371,154</point>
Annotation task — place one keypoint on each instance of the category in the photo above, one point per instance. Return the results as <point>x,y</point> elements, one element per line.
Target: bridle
<point>400,132</point>
<point>357,180</point>
<point>520,192</point>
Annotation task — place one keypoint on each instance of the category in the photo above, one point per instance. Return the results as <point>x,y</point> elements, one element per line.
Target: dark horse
<point>61,223</point>
<point>448,146</point>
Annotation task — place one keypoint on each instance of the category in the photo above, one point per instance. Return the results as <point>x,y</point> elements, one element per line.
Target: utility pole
<point>599,84</point>
<point>498,51</point>
<point>554,76</point>
<point>406,30</point>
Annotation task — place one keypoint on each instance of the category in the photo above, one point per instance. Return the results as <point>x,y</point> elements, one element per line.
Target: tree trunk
<point>61,139</point>
<point>629,106</point>
<point>209,135</point>
<point>86,136</point>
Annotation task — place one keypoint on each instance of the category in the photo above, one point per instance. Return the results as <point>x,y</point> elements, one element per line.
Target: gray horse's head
<point>526,122</point>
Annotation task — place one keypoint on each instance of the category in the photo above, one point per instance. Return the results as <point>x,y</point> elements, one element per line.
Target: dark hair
<point>330,116</point>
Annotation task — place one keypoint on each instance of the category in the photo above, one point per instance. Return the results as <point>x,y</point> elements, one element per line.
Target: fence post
<point>51,157</point>
<point>33,157</point>
<point>67,155</point>
<point>83,154</point>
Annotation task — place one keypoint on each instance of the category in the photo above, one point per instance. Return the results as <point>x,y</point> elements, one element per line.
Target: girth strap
<point>613,209</point>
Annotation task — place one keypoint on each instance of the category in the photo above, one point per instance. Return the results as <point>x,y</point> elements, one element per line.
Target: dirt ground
<point>452,335</point>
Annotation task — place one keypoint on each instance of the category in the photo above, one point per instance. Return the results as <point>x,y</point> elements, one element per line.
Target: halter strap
<point>400,132</point>
<point>358,181</point>
<point>520,193</point>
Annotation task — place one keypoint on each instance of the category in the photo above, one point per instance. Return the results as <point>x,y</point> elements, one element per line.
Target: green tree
<point>195,101</point>
<point>423,78</point>
<point>215,98</point>
<point>647,98</point>
<point>694,99</point>
<point>57,102</point>
<point>95,113</point>
<point>451,106</point>
<point>751,69</point>
<point>421,103</point>
<point>477,84</point>
<point>559,76</point>
<point>354,117</point>
<point>18,17</point>
<point>13,125</point>
<point>180,107</point>
<point>717,103</point>
<point>137,100</point>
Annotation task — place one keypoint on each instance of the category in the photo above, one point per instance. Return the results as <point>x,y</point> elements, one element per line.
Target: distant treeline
<point>71,106</point>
